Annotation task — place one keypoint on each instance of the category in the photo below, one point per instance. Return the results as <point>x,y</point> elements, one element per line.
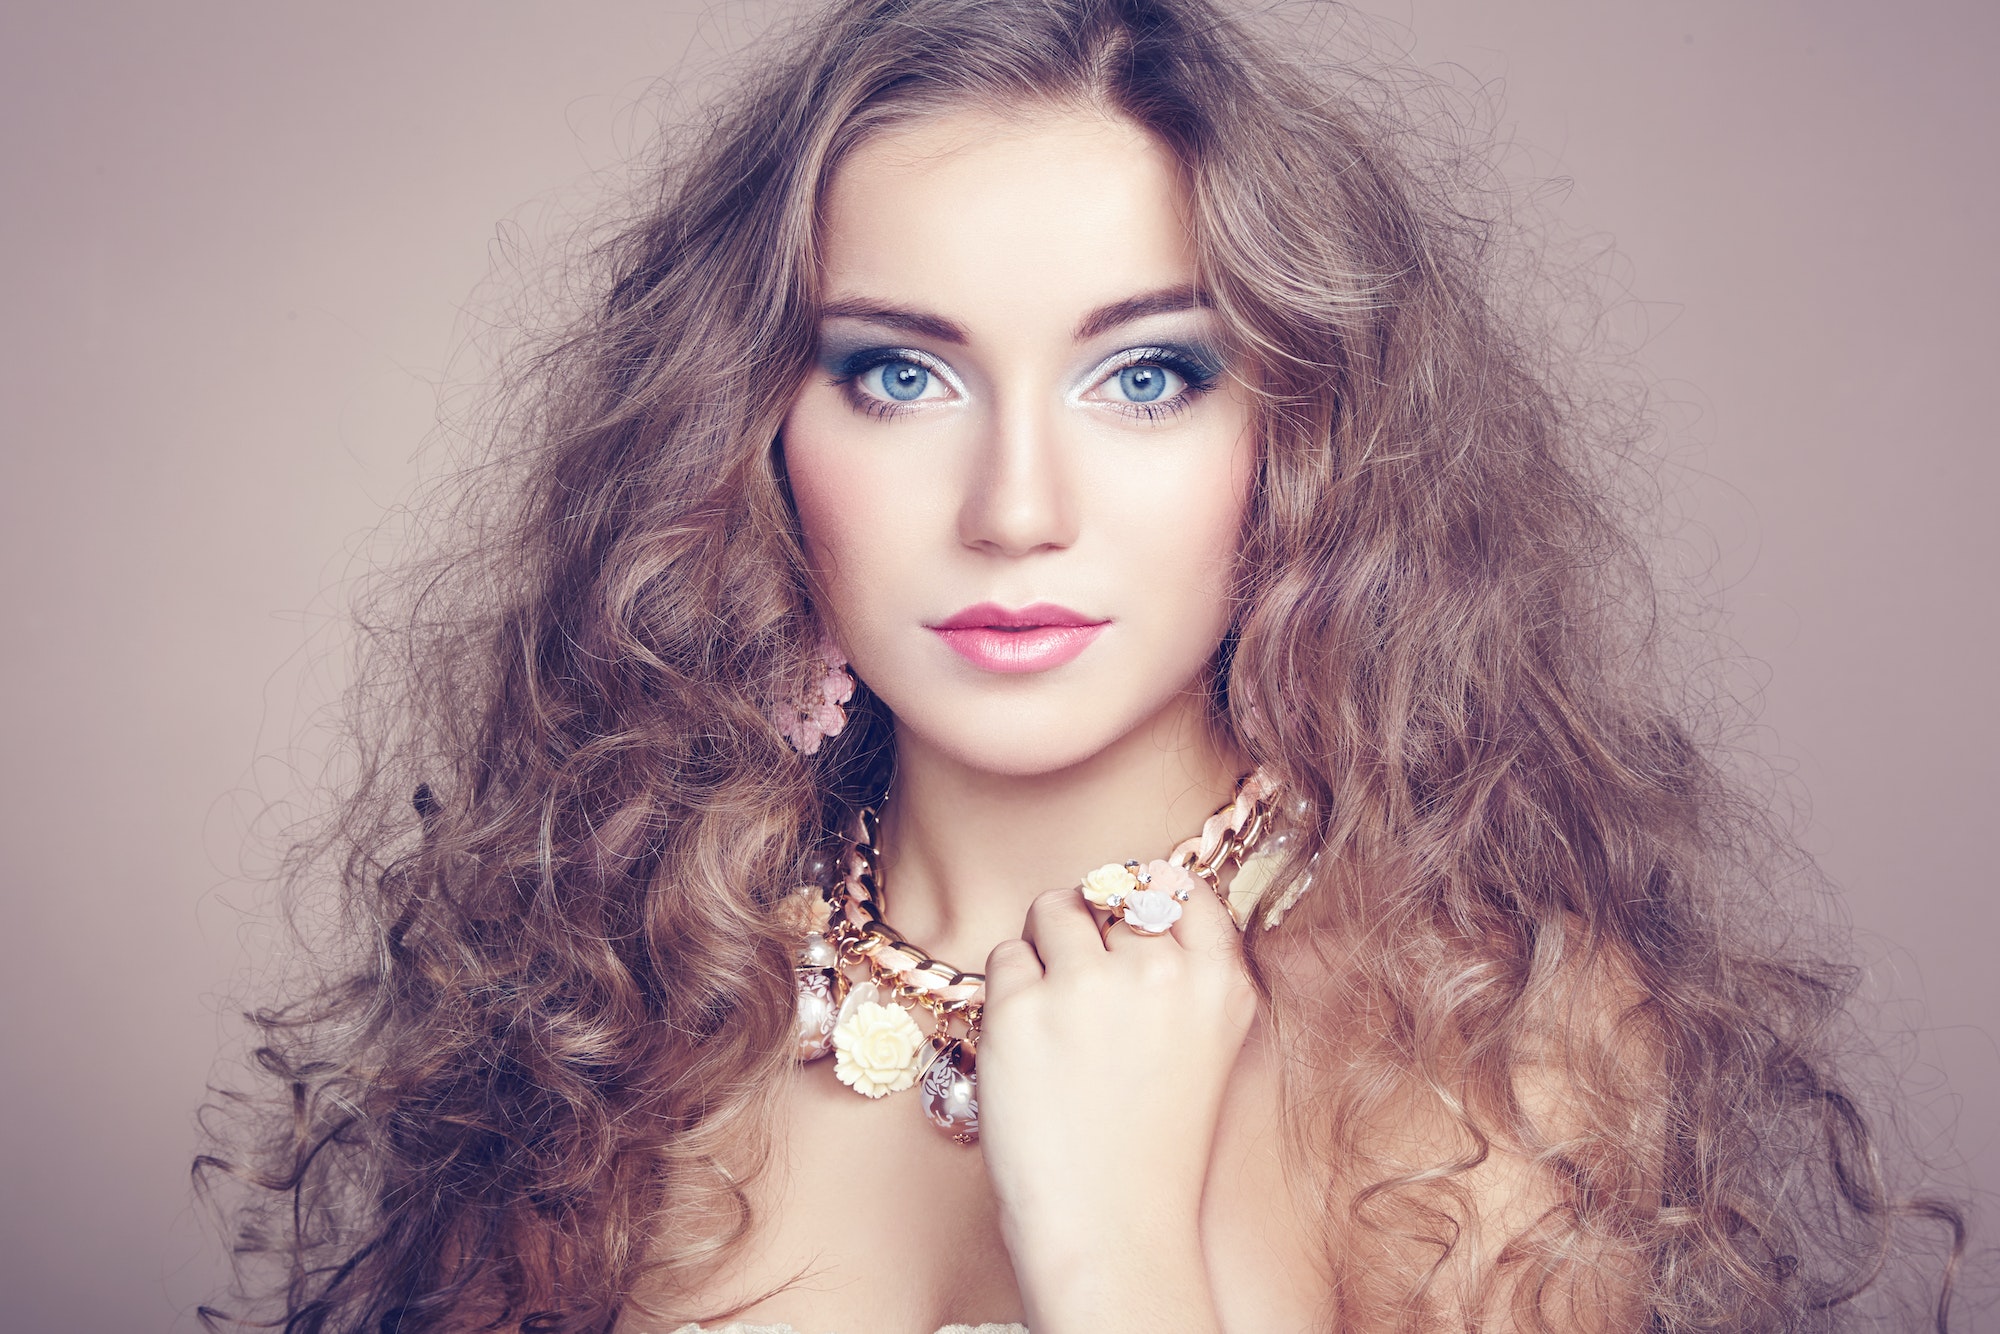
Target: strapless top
<point>737,1327</point>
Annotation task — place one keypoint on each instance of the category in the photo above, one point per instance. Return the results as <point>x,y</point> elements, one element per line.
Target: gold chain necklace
<point>862,987</point>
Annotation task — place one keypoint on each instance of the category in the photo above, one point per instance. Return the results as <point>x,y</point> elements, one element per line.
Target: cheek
<point>821,492</point>
<point>1228,511</point>
<point>857,521</point>
<point>1197,517</point>
<point>1215,518</point>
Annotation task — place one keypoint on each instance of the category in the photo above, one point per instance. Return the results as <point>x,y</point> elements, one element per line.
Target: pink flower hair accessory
<point>818,715</point>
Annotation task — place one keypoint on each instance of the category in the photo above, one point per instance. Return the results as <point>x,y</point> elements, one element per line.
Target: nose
<point>1019,498</point>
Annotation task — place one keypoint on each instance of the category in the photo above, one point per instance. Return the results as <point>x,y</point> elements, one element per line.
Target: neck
<point>966,850</point>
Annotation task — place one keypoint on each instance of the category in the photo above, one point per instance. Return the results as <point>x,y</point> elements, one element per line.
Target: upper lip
<point>991,615</point>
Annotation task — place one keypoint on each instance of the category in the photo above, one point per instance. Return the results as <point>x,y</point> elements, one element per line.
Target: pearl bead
<point>816,951</point>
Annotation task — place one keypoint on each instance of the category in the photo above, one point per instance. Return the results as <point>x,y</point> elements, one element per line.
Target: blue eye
<point>903,380</point>
<point>882,381</point>
<point>1154,383</point>
<point>1144,382</point>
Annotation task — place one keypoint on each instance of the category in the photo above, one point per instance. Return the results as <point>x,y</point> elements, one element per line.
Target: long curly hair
<point>535,1085</point>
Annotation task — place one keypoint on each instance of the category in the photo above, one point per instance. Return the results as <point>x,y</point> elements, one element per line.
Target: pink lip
<point>1033,639</point>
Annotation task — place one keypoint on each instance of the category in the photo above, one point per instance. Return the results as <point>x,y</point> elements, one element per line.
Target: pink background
<point>240,242</point>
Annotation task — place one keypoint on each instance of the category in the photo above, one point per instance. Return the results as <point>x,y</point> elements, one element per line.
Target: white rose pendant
<point>875,1048</point>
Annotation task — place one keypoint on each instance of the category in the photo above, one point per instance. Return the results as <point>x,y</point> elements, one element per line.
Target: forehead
<point>1006,214</point>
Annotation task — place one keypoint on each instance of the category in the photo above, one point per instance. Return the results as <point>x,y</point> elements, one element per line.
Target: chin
<point>1022,739</point>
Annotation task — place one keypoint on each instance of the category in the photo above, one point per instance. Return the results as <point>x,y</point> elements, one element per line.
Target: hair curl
<point>521,1101</point>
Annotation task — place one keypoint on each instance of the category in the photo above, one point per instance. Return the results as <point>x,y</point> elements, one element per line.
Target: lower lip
<point>1035,649</point>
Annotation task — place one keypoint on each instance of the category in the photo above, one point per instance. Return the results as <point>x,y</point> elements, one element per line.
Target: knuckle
<point>1050,901</point>
<point>1013,950</point>
<point>1011,967</point>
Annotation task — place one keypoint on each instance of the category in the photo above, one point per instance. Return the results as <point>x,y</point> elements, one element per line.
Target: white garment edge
<point>737,1327</point>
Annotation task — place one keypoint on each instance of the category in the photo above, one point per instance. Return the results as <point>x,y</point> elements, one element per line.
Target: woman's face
<point>1021,460</point>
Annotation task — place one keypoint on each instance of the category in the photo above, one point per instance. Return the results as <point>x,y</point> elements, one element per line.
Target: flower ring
<point>1107,886</point>
<point>1150,912</point>
<point>1146,897</point>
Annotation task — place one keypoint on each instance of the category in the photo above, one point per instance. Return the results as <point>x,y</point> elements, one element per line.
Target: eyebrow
<point>1165,301</point>
<point>896,317</point>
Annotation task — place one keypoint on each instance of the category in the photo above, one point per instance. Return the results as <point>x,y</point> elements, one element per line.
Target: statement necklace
<point>893,1017</point>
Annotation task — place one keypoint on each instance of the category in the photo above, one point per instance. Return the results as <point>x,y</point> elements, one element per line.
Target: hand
<point>1102,1065</point>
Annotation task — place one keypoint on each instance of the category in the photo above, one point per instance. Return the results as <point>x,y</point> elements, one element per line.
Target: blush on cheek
<point>823,494</point>
<point>1213,527</point>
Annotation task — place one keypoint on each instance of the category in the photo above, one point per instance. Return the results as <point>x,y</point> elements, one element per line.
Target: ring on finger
<point>1147,898</point>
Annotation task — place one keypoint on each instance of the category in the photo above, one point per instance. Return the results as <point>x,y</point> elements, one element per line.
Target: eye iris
<point>1142,383</point>
<point>904,380</point>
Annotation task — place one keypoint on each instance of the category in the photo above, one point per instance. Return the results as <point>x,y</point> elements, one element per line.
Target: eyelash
<point>1197,378</point>
<point>853,367</point>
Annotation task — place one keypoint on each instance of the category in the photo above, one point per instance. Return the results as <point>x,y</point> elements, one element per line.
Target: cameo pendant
<point>951,1091</point>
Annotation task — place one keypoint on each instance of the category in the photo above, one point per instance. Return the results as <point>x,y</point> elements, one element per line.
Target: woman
<point>1039,461</point>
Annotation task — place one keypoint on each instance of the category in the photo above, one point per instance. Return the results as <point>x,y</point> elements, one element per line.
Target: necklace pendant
<point>951,1092</point>
<point>877,1046</point>
<point>817,1013</point>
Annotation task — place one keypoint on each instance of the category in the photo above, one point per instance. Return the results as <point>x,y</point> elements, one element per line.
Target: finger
<point>1012,966</point>
<point>1061,928</point>
<point>1206,928</point>
<point>1121,937</point>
